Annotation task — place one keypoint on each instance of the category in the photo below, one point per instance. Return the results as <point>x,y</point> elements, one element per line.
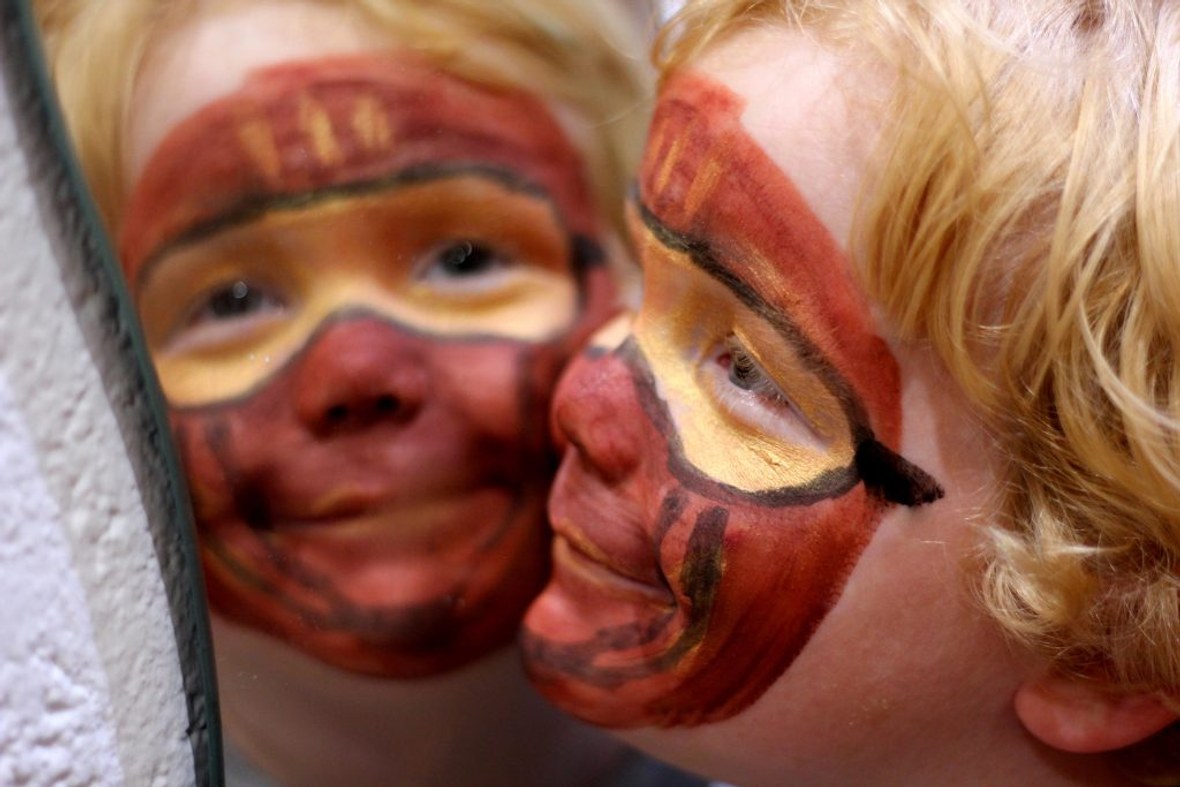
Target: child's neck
<point>303,722</point>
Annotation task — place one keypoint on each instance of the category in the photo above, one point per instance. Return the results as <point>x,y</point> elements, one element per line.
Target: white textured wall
<point>90,684</point>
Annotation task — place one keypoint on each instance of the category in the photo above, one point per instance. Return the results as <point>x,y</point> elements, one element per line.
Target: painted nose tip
<point>359,374</point>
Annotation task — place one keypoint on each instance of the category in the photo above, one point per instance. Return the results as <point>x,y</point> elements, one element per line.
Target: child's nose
<point>360,373</point>
<point>597,412</point>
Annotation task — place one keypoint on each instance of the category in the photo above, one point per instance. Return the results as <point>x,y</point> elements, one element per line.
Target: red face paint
<point>377,499</point>
<point>678,599</point>
<point>300,128</point>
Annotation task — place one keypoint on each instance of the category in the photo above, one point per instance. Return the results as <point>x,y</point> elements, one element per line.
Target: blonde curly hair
<point>1022,218</point>
<point>585,58</point>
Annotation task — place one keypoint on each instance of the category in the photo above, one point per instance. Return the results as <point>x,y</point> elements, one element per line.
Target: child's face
<point>359,277</point>
<point>764,502</point>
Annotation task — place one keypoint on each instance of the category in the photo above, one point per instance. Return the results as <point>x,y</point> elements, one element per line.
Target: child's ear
<point>1084,718</point>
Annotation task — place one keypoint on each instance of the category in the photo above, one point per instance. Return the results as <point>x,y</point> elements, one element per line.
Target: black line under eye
<point>465,258</point>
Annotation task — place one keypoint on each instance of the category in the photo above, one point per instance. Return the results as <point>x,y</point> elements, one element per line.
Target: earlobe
<point>1083,718</point>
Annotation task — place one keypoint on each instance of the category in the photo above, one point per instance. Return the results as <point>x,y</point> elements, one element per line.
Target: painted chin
<point>599,638</point>
<point>402,593</point>
<point>595,641</point>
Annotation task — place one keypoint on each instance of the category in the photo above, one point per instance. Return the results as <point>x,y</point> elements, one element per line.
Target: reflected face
<point>731,458</point>
<point>359,277</point>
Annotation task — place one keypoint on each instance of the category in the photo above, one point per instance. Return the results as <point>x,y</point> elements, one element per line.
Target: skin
<point>765,575</point>
<point>359,277</point>
<point>741,468</point>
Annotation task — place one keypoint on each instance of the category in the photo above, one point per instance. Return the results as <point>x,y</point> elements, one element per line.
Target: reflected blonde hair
<point>1022,217</point>
<point>583,57</point>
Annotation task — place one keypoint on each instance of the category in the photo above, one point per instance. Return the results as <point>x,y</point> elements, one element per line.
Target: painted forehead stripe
<point>296,128</point>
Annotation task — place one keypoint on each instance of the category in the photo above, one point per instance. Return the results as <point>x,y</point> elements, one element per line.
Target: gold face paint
<point>456,256</point>
<point>731,458</point>
<point>785,428</point>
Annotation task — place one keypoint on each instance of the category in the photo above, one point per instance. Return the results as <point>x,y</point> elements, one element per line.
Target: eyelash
<point>745,373</point>
<point>746,386</point>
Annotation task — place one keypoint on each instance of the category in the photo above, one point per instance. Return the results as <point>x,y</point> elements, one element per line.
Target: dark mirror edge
<point>114,335</point>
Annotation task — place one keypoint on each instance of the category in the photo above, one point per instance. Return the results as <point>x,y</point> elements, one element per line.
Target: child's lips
<point>414,521</point>
<point>598,530</point>
<point>594,571</point>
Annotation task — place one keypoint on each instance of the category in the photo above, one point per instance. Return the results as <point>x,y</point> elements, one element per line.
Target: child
<point>363,237</point>
<point>881,485</point>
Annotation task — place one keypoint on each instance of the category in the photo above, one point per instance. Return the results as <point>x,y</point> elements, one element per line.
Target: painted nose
<point>359,374</point>
<point>596,410</point>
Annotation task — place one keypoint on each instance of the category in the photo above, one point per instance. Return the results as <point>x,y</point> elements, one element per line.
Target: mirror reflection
<point>363,238</point>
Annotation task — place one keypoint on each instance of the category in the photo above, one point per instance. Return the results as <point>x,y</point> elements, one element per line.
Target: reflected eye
<point>461,260</point>
<point>226,312</point>
<point>237,300</point>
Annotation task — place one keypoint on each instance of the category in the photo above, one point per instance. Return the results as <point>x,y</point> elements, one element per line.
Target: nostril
<point>386,404</point>
<point>336,414</point>
<point>360,373</point>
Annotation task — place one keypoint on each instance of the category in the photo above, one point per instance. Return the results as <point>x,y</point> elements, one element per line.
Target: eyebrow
<point>299,126</point>
<point>884,472</point>
<point>252,208</point>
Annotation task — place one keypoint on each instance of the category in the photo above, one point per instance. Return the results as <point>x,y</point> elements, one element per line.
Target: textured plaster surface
<point>55,726</point>
<point>90,684</point>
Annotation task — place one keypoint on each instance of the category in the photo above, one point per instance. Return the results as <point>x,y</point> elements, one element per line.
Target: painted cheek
<point>353,508</point>
<point>702,597</point>
<point>774,576</point>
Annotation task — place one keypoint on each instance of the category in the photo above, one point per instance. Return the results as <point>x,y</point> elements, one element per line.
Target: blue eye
<point>743,371</point>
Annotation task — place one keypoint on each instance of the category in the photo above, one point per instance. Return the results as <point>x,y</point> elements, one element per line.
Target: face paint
<point>359,278</point>
<point>456,256</point>
<point>731,459</point>
<point>338,125</point>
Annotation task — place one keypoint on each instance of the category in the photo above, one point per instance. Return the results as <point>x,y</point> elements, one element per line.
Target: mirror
<point>363,238</point>
<point>106,671</point>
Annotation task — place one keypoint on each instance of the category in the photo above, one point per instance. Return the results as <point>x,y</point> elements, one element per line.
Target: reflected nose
<point>359,374</point>
<point>596,410</point>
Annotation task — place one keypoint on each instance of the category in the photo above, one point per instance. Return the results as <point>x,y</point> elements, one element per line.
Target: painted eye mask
<point>731,460</point>
<point>359,278</point>
<point>365,507</point>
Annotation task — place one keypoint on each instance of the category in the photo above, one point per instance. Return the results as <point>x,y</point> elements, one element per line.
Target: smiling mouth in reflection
<point>422,523</point>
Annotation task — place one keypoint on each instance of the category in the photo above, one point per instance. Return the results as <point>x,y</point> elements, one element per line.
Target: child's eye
<point>745,373</point>
<point>461,259</point>
<point>226,312</point>
<point>236,301</point>
<point>747,392</point>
